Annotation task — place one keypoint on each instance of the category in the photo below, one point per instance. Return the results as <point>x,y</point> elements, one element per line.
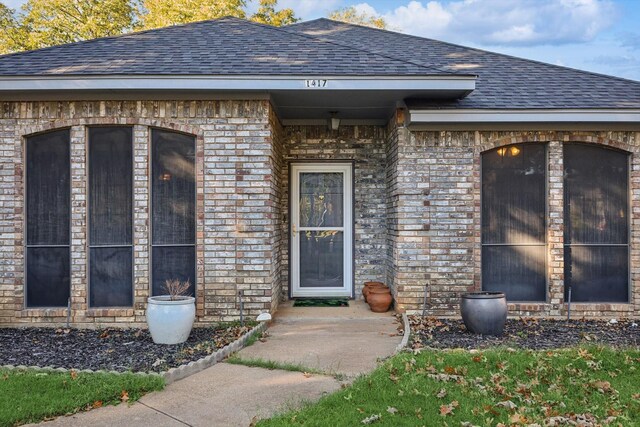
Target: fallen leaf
<point>391,410</point>
<point>307,374</point>
<point>97,404</point>
<point>371,419</point>
<point>507,404</point>
<point>517,418</point>
<point>602,386</point>
<point>448,409</point>
<point>124,396</point>
<point>442,393</point>
<point>74,374</point>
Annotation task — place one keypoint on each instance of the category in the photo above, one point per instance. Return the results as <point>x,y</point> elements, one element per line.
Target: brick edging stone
<point>407,333</point>
<point>173,374</point>
<point>183,371</point>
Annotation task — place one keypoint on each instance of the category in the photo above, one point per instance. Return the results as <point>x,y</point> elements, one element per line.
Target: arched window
<point>596,223</point>
<point>514,221</point>
<point>110,209</point>
<point>173,209</point>
<point>47,219</point>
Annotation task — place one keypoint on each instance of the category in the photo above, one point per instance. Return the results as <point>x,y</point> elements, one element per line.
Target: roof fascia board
<point>236,83</point>
<point>524,116</point>
<point>528,127</point>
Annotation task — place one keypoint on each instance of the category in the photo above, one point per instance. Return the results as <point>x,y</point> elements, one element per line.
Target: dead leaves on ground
<point>448,409</point>
<point>531,393</point>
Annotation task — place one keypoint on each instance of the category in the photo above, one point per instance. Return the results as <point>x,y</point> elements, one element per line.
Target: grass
<point>32,395</point>
<point>462,388</point>
<point>271,365</point>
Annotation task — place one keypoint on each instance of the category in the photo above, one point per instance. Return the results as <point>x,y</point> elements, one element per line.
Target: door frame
<point>351,266</point>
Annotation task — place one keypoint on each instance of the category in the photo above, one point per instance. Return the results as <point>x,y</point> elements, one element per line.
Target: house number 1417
<point>314,84</point>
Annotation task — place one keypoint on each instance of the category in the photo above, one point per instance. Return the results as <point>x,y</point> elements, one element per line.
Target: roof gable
<point>503,81</point>
<point>226,46</point>
<point>319,49</point>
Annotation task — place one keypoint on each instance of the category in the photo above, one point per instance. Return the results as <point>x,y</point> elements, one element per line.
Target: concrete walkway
<point>347,341</point>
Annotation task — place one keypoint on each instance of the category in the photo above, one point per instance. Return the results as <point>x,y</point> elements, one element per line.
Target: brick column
<point>634,224</point>
<point>79,266</point>
<point>141,203</point>
<point>555,230</point>
<point>11,241</point>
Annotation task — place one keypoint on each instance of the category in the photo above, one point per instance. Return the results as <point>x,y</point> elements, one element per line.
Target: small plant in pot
<point>170,317</point>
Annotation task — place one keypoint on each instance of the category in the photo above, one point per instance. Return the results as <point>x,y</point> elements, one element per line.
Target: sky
<point>602,36</point>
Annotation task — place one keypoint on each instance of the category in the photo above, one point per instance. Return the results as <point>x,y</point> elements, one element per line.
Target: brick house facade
<point>417,198</point>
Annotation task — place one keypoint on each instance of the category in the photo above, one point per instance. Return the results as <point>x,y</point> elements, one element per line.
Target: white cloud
<point>503,22</point>
<point>365,8</point>
<point>415,18</point>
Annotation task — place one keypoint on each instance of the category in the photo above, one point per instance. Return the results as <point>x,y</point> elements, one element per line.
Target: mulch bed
<point>109,349</point>
<point>529,333</point>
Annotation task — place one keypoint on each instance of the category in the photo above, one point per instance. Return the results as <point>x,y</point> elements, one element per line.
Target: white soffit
<point>458,116</point>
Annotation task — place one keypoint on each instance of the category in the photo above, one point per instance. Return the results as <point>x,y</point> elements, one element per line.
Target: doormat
<point>321,302</point>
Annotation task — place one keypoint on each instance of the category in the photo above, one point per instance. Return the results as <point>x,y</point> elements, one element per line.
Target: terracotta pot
<point>368,286</point>
<point>380,299</point>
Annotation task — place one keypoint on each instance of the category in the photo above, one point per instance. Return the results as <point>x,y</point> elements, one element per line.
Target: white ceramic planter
<point>170,322</point>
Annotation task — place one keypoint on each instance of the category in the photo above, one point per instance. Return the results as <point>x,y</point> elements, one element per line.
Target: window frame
<point>150,235</point>
<point>629,224</point>
<point>546,222</point>
<point>25,245</point>
<point>89,246</point>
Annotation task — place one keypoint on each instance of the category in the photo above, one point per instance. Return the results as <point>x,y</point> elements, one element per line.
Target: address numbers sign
<point>316,83</point>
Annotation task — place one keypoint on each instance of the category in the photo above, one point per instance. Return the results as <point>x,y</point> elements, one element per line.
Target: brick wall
<point>236,203</point>
<point>365,146</point>
<point>449,261</point>
<point>417,206</point>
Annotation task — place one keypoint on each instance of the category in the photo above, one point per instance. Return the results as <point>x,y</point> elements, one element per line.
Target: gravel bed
<point>535,334</point>
<point>109,349</point>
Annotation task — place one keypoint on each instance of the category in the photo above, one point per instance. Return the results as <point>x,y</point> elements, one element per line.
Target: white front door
<point>321,230</point>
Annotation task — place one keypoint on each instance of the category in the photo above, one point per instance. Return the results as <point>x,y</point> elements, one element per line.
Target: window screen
<point>513,221</point>
<point>110,217</point>
<point>47,219</point>
<point>596,223</point>
<point>173,209</point>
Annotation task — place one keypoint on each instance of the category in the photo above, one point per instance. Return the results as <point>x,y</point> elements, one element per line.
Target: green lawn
<point>31,396</point>
<point>462,388</point>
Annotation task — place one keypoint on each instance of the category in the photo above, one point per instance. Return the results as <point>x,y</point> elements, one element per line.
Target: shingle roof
<point>226,46</point>
<point>503,81</point>
<point>231,46</point>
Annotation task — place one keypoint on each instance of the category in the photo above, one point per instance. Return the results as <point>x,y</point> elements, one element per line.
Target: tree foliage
<point>163,13</point>
<point>51,22</point>
<point>11,35</point>
<point>42,23</point>
<point>267,14</point>
<point>352,16</point>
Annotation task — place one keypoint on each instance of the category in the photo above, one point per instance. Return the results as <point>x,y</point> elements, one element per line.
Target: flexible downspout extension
<point>424,300</point>
<point>241,308</point>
